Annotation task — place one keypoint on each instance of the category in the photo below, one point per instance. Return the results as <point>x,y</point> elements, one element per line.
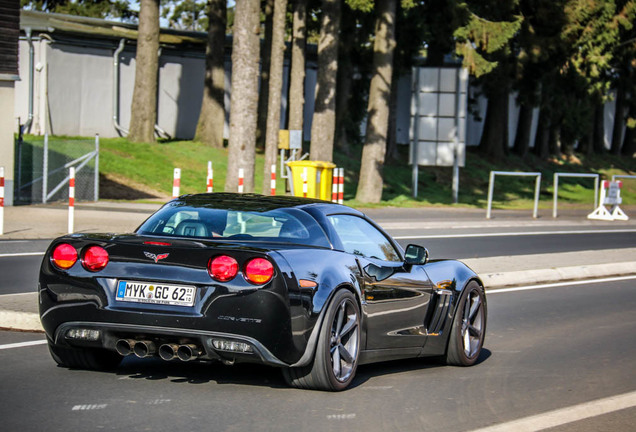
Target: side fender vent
<point>439,311</point>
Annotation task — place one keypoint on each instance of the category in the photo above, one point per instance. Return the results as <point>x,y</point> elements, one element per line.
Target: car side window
<point>359,237</point>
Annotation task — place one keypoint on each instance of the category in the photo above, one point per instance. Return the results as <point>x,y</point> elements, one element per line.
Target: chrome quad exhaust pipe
<point>168,351</point>
<point>188,352</point>
<point>125,347</point>
<point>144,348</point>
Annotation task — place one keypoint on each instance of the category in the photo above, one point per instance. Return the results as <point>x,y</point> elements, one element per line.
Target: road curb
<point>557,274</point>
<point>22,321</point>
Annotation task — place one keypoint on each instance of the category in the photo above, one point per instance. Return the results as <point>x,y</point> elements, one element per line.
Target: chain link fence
<point>54,156</point>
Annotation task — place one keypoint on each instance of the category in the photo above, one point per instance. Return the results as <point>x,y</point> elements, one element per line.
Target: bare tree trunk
<point>343,91</point>
<point>275,89</point>
<point>524,127</point>
<point>371,182</point>
<point>263,92</point>
<point>323,125</point>
<point>629,140</point>
<point>143,115</point>
<point>554,137</point>
<point>297,74</point>
<point>598,143</point>
<point>619,119</point>
<point>541,148</point>
<point>494,137</point>
<point>244,103</point>
<point>392,144</point>
<point>212,116</point>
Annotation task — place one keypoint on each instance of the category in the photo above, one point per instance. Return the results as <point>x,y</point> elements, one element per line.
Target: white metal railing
<point>617,176</point>
<point>491,187</point>
<point>596,178</point>
<point>78,163</point>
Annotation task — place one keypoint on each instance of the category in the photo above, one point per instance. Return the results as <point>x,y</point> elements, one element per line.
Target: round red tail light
<point>259,271</point>
<point>64,256</point>
<point>95,258</point>
<point>223,268</point>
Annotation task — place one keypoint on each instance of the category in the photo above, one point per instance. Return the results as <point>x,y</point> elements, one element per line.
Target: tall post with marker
<point>341,186</point>
<point>71,200</point>
<point>210,178</point>
<point>241,175</point>
<point>176,182</point>
<point>273,181</point>
<point>1,200</point>
<point>334,185</point>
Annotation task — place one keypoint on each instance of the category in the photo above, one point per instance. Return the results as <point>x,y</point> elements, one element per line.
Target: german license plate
<point>156,293</point>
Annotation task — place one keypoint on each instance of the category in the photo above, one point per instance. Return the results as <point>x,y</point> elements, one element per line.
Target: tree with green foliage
<point>88,8</point>
<point>275,88</point>
<point>371,182</point>
<point>484,43</point>
<point>143,113</point>
<point>296,95</point>
<point>212,116</point>
<point>324,119</point>
<point>190,15</point>
<point>244,98</point>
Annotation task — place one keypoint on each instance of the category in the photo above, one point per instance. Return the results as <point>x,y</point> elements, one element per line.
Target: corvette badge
<point>154,257</point>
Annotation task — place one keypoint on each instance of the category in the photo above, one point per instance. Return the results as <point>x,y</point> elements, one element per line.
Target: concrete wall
<point>73,93</point>
<point>7,128</point>
<point>73,89</point>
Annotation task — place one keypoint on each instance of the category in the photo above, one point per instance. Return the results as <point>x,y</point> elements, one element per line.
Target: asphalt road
<point>20,271</point>
<point>545,349</point>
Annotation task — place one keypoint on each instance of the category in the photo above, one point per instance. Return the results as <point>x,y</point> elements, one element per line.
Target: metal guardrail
<point>491,187</point>
<point>556,187</point>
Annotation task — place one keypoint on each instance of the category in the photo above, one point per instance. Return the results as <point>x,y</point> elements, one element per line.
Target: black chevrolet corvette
<point>308,286</point>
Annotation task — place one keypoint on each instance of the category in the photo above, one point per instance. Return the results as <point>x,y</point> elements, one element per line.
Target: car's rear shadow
<point>256,374</point>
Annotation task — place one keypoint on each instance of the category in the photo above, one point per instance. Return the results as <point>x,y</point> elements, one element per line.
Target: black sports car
<point>308,286</point>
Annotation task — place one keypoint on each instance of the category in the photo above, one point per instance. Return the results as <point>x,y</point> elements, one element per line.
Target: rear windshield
<point>282,225</point>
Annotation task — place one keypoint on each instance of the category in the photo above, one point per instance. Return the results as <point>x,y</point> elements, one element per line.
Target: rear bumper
<point>110,333</point>
<point>260,318</point>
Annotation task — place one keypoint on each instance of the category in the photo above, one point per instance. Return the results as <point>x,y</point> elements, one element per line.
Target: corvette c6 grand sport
<point>311,287</point>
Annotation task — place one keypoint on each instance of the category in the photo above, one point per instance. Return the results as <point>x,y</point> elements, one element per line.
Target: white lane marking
<point>89,407</point>
<point>22,344</point>
<point>560,284</point>
<point>563,416</point>
<point>515,234</point>
<point>21,254</point>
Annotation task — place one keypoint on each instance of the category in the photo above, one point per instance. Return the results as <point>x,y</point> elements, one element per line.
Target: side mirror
<point>416,255</point>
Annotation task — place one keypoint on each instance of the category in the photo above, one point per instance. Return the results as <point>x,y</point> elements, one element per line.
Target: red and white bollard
<point>334,186</point>
<point>304,182</point>
<point>273,181</point>
<point>241,175</point>
<point>341,186</point>
<point>1,200</point>
<point>176,182</point>
<point>210,178</point>
<point>71,200</point>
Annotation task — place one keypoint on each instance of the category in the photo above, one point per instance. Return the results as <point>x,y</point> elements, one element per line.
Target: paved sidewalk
<point>19,311</point>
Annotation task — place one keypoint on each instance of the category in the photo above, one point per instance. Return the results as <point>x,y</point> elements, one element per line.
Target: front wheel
<point>336,358</point>
<point>469,327</point>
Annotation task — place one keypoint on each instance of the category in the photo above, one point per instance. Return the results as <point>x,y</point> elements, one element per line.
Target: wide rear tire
<point>336,358</point>
<point>469,327</point>
<point>85,358</point>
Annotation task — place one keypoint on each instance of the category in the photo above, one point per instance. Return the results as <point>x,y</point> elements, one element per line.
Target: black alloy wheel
<point>469,327</point>
<point>338,349</point>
